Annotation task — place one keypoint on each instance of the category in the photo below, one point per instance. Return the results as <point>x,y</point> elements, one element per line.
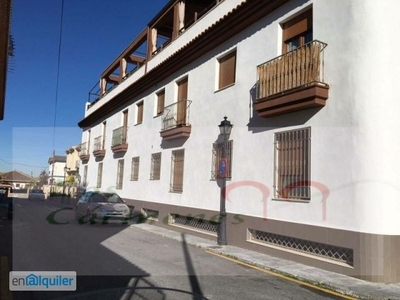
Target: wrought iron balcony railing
<point>84,149</point>
<point>176,114</point>
<point>119,136</point>
<point>98,143</point>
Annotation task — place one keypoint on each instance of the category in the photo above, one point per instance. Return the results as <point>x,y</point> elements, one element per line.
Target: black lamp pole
<point>225,129</point>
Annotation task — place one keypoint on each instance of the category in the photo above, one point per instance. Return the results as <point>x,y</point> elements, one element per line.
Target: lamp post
<point>65,171</point>
<point>225,129</point>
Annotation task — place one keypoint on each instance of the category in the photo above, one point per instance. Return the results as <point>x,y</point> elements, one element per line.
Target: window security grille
<point>292,164</point>
<point>216,157</point>
<point>177,170</point>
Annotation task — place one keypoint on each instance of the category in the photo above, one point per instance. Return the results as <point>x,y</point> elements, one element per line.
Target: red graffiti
<point>320,186</point>
<point>260,186</point>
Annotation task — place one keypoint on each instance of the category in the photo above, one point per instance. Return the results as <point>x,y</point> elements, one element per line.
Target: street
<point>116,261</point>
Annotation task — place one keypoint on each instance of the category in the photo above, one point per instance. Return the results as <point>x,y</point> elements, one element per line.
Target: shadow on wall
<point>260,124</point>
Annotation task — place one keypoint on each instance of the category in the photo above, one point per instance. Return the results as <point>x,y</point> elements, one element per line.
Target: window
<point>85,172</point>
<point>155,166</point>
<point>99,174</point>
<point>216,157</point>
<point>297,31</point>
<point>139,118</point>
<point>177,170</point>
<point>227,70</point>
<point>292,164</point>
<point>135,169</point>
<point>182,101</point>
<point>160,102</point>
<point>120,174</point>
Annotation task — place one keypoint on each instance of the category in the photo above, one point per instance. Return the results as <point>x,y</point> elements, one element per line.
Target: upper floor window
<point>139,117</point>
<point>297,31</point>
<point>227,70</point>
<point>160,102</point>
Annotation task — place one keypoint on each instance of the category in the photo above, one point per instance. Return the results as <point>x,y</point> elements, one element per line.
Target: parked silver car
<point>101,206</point>
<point>36,194</point>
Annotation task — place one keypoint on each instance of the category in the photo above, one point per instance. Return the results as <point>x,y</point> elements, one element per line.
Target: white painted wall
<point>354,148</point>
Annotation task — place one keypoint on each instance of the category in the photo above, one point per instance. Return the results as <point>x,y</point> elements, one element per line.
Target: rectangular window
<point>160,102</point>
<point>297,31</point>
<point>135,169</point>
<point>216,157</point>
<point>120,174</point>
<point>99,174</point>
<point>177,170</point>
<point>292,164</point>
<point>139,119</point>
<point>182,102</point>
<point>85,172</point>
<point>155,166</point>
<point>227,70</point>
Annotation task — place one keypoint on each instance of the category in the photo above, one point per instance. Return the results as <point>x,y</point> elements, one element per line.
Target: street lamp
<point>225,129</point>
<point>65,171</point>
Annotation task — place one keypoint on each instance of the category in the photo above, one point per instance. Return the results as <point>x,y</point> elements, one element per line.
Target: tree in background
<point>43,178</point>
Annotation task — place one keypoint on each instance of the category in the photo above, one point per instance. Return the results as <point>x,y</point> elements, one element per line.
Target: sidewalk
<point>333,281</point>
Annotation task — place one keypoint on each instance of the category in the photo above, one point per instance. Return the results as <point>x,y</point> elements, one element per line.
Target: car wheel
<point>88,218</point>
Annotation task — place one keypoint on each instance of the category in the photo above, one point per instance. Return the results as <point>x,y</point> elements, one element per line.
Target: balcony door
<point>182,97</point>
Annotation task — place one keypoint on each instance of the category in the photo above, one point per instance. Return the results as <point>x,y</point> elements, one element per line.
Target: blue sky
<point>95,32</point>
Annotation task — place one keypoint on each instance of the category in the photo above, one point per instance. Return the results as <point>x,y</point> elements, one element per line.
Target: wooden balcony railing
<point>175,120</point>
<point>300,69</point>
<point>119,139</point>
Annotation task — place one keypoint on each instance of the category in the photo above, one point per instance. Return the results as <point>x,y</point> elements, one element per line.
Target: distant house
<point>57,163</point>
<point>72,163</point>
<point>17,179</point>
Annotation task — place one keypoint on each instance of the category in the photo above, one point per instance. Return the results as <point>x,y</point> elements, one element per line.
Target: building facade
<point>311,158</point>
<point>57,164</point>
<point>72,164</point>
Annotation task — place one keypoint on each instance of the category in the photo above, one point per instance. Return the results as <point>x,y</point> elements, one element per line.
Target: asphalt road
<point>121,262</point>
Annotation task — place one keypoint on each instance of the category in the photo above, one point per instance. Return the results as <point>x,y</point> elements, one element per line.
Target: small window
<point>85,172</point>
<point>297,31</point>
<point>178,158</point>
<point>216,157</point>
<point>227,70</point>
<point>99,174</point>
<point>139,118</point>
<point>135,169</point>
<point>160,102</point>
<point>292,164</point>
<point>155,166</point>
<point>120,174</point>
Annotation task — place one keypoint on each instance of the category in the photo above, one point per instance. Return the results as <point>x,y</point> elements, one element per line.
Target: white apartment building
<point>312,159</point>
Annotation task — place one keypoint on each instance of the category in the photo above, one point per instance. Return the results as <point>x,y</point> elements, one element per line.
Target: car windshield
<point>106,197</point>
<point>37,191</point>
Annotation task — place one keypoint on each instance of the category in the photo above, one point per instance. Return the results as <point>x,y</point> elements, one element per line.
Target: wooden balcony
<point>292,82</point>
<point>119,143</point>
<point>84,152</point>
<point>175,121</point>
<point>98,147</point>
